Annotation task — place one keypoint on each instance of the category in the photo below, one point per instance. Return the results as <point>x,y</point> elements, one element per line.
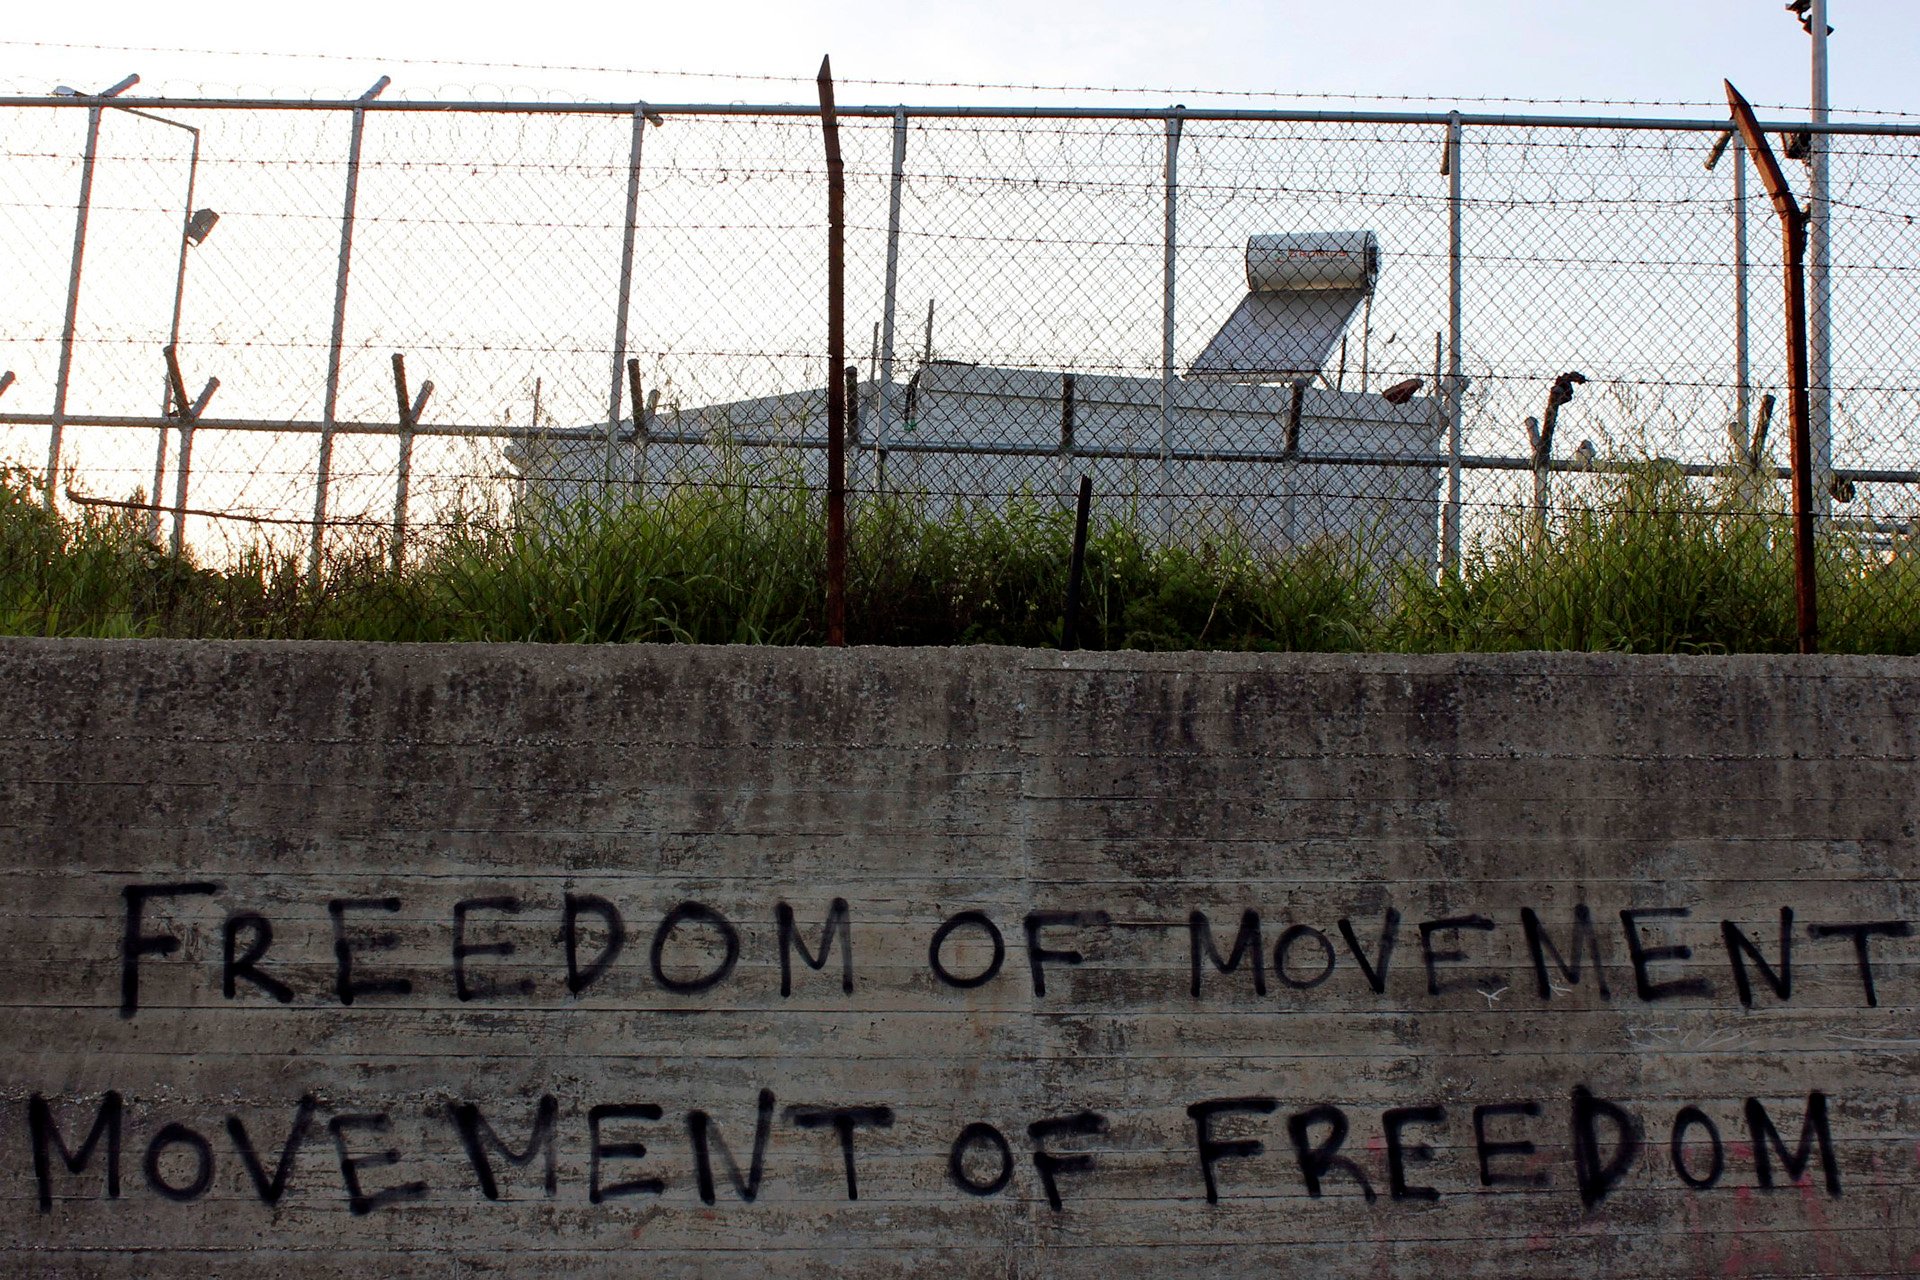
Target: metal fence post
<point>64,378</point>
<point>1742,362</point>
<point>329,415</point>
<point>409,415</point>
<point>1450,519</point>
<point>1819,279</point>
<point>884,405</point>
<point>1168,279</point>
<point>640,115</point>
<point>187,412</point>
<point>173,331</point>
<point>182,475</point>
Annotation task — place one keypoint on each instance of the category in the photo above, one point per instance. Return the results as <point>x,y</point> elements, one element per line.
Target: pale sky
<point>1614,50</point>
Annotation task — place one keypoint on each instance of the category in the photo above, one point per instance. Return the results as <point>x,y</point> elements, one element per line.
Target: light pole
<point>1742,369</point>
<point>1813,17</point>
<point>195,226</point>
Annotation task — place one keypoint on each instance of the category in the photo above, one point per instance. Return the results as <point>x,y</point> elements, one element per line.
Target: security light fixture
<point>1803,9</point>
<point>200,225</point>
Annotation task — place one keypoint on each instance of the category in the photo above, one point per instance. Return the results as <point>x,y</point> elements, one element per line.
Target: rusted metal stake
<point>639,437</point>
<point>853,405</point>
<point>1540,437</point>
<point>836,358</point>
<point>1793,228</point>
<point>1066,415</point>
<point>1077,566</point>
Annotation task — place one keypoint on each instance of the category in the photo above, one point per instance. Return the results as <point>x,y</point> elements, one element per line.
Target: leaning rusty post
<point>852,407</point>
<point>836,352</point>
<point>639,436</point>
<point>1540,438</point>
<point>1077,566</point>
<point>1793,227</point>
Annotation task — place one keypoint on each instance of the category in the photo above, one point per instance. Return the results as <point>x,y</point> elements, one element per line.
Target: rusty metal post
<point>1077,566</point>
<point>1540,440</point>
<point>836,354</point>
<point>1288,471</point>
<point>1793,228</point>
<point>1064,455</point>
<point>641,410</point>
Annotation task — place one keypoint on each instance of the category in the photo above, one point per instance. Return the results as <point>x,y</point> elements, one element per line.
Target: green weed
<point>1650,561</point>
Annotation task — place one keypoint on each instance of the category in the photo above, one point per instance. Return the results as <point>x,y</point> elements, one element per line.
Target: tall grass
<point>1650,562</point>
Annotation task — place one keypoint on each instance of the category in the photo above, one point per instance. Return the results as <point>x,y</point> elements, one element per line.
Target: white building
<point>1251,438</point>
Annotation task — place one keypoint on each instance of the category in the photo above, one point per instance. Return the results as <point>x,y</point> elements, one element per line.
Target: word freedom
<point>594,933</point>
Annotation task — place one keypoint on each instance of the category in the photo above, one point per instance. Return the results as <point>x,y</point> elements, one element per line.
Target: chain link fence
<point>1439,351</point>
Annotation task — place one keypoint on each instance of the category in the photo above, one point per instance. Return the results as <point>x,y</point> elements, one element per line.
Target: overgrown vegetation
<point>1652,562</point>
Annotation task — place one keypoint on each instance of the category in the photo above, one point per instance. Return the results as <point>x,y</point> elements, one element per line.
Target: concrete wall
<point>1394,823</point>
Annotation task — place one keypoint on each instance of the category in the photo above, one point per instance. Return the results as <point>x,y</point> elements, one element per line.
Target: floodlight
<point>200,225</point>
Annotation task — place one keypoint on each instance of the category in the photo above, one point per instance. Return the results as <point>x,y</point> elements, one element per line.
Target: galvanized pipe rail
<point>655,436</point>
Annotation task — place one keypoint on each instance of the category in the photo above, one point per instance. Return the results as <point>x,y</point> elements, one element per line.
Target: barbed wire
<point>1007,86</point>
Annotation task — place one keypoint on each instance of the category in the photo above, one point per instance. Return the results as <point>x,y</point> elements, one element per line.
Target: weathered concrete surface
<point>1133,790</point>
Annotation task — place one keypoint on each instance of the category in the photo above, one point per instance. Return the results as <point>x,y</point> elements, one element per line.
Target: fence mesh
<point>1029,300</point>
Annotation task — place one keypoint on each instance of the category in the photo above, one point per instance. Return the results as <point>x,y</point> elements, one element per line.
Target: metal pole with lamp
<point>194,228</point>
<point>1813,17</point>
